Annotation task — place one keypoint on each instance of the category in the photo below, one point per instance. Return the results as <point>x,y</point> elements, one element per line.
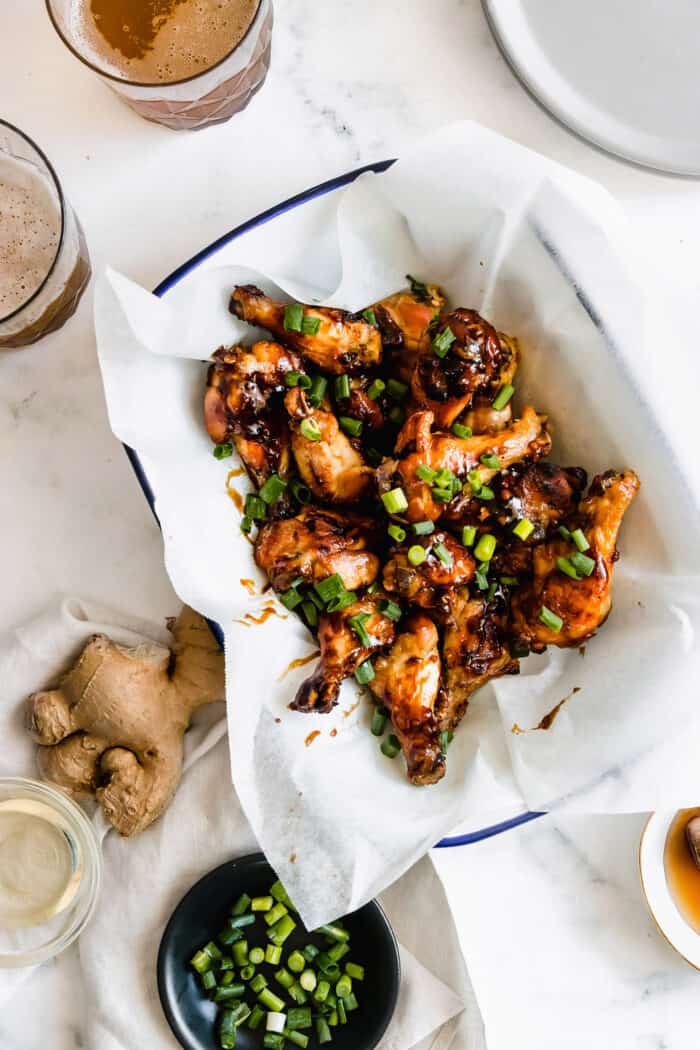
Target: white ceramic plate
<point>661,904</point>
<point>620,73</point>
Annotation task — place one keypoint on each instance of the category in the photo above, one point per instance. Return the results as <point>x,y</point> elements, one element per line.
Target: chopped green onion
<point>390,609</point>
<point>255,508</point>
<point>390,746</point>
<point>258,983</point>
<point>485,547</point>
<point>397,533</point>
<point>509,581</point>
<point>226,994</point>
<point>223,451</point>
<point>201,962</point>
<point>379,720</point>
<point>256,956</point>
<point>256,1017</point>
<point>350,1002</point>
<point>364,673</point>
<point>426,473</point>
<point>230,936</point>
<point>296,962</point>
<point>209,980</point>
<point>272,489</point>
<point>337,951</point>
<point>442,553</point>
<point>481,581</point>
<point>226,963</point>
<point>308,980</point>
<point>443,341</point>
<point>357,623</point>
<point>293,317</point>
<point>310,324</point>
<point>284,978</point>
<point>343,987</point>
<point>342,388</point>
<point>297,993</point>
<point>275,1022</point>
<point>353,427</point>
<point>334,931</point>
<point>503,397</point>
<point>310,613</point>
<point>262,903</point>
<point>278,891</point>
<point>580,540</point>
<point>564,532</point>
<point>445,741</point>
<point>297,1038</point>
<point>291,598</point>
<point>370,316</point>
<point>310,429</point>
<point>310,952</point>
<point>524,529</point>
<point>353,969</point>
<point>248,972</point>
<point>293,379</point>
<point>461,431</point>
<point>317,390</point>
<point>227,1030</point>
<point>300,491</point>
<point>273,1041</point>
<point>468,535</point>
<point>329,588</point>
<point>342,1016</point>
<point>246,524</point>
<point>490,461</point>
<point>240,953</point>
<point>273,954</point>
<point>474,479</point>
<point>442,495</point>
<point>299,1018</point>
<point>551,620</point>
<point>485,493</point>
<point>270,1001</point>
<point>397,415</point>
<point>565,566</point>
<point>323,1032</point>
<point>342,601</point>
<point>423,528</point>
<point>276,913</point>
<point>582,563</point>
<point>237,922</point>
<point>375,388</point>
<point>396,389</point>
<point>416,555</point>
<point>322,990</point>
<point>395,501</point>
<point>418,289</point>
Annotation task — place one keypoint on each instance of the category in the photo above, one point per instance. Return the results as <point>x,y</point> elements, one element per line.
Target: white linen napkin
<point>146,876</point>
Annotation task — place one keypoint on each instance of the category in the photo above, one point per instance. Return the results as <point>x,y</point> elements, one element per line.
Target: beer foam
<point>30,231</point>
<point>189,39</point>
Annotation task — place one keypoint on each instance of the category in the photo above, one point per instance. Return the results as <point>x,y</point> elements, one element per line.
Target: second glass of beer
<point>182,63</point>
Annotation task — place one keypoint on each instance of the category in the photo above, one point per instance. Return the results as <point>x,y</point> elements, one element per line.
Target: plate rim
<point>249,859</point>
<point>529,84</point>
<point>174,278</point>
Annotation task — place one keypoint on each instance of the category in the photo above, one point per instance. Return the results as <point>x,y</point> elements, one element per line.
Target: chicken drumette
<point>316,544</point>
<point>425,584</point>
<point>346,638</point>
<point>580,604</point>
<point>407,681</point>
<point>341,342</point>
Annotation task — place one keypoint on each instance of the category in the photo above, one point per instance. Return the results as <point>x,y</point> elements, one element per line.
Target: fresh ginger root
<point>113,728</point>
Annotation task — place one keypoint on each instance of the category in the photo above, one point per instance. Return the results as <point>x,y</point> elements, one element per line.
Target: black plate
<point>202,913</point>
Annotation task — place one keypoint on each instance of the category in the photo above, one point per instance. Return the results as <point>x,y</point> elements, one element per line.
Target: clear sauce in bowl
<point>682,877</point>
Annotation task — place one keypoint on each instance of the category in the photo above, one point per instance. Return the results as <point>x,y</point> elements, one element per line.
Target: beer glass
<point>44,262</point>
<point>207,97</point>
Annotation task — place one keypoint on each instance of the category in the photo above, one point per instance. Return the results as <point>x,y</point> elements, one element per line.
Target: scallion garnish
<point>442,495</point>
<point>485,547</point>
<point>353,427</point>
<point>246,524</point>
<point>341,388</point>
<point>418,288</point>
<point>310,613</point>
<point>395,501</point>
<point>416,555</point>
<point>481,581</point>
<point>461,431</point>
<point>551,620</point>
<point>364,673</point>
<point>390,747</point>
<point>444,556</point>
<point>426,473</point>
<point>293,379</point>
<point>317,390</point>
<point>223,451</point>
<point>255,508</point>
<point>293,317</point>
<point>272,489</point>
<point>300,491</point>
<point>468,535</point>
<point>580,540</point>
<point>390,609</point>
<point>370,316</point>
<point>310,429</point>
<point>443,341</point>
<point>379,720</point>
<point>564,532</point>
<point>582,563</point>
<point>396,389</point>
<point>291,598</point>
<point>375,388</point>
<point>503,397</point>
<point>357,623</point>
<point>341,601</point>
<point>397,533</point>
<point>474,479</point>
<point>565,566</point>
<point>310,324</point>
<point>329,588</point>
<point>485,493</point>
<point>524,529</point>
<point>490,461</point>
<point>509,581</point>
<point>423,528</point>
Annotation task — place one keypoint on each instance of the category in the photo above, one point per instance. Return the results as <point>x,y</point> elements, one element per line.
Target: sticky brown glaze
<point>543,492</point>
<point>424,585</point>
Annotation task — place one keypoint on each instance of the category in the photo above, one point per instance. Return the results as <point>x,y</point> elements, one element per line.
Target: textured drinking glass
<point>54,273</point>
<point>210,97</point>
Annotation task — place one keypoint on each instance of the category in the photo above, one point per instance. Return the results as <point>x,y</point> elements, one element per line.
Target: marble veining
<point>556,935</point>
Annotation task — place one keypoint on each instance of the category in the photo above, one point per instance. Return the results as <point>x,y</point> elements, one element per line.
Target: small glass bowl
<point>31,945</point>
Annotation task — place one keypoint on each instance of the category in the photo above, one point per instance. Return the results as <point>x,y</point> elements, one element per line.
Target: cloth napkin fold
<point>145,877</point>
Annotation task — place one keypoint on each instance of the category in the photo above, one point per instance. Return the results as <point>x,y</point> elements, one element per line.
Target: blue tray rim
<point>178,275</point>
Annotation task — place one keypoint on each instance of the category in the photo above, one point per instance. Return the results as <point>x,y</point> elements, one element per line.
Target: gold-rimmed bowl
<point>660,900</point>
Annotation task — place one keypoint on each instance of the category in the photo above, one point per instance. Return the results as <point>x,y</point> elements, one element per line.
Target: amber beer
<point>44,264</point>
<point>184,63</point>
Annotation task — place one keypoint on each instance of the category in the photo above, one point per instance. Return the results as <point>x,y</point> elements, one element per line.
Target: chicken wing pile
<point>404,511</point>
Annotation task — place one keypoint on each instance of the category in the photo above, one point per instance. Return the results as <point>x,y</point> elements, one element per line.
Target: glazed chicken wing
<point>581,604</point>
<point>316,544</point>
<point>542,492</point>
<point>474,650</point>
<point>407,681</point>
<point>481,416</point>
<point>404,320</point>
<point>343,342</point>
<point>343,650</point>
<point>446,384</point>
<point>242,404</point>
<point>527,438</point>
<point>425,584</point>
<point>326,458</point>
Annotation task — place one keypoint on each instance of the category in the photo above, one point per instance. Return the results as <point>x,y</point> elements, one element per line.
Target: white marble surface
<point>548,914</point>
